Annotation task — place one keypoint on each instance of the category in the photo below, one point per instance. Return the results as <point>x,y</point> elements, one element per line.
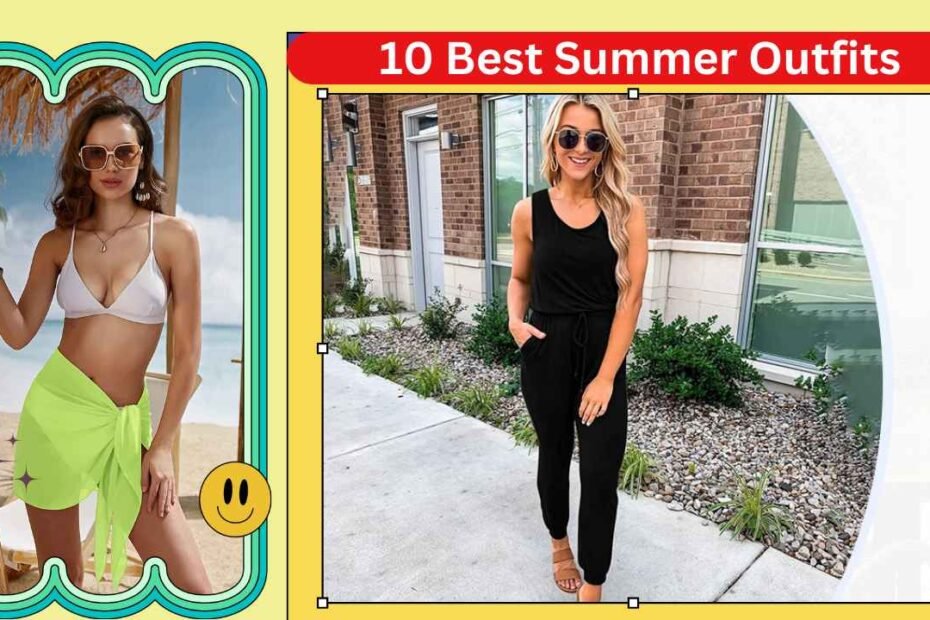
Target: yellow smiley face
<point>235,499</point>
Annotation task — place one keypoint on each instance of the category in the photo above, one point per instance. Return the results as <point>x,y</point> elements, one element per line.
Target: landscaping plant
<point>753,516</point>
<point>692,360</point>
<point>439,318</point>
<point>824,387</point>
<point>524,433</point>
<point>428,381</point>
<point>490,339</point>
<point>636,467</point>
<point>477,401</point>
<point>389,366</point>
<point>350,349</point>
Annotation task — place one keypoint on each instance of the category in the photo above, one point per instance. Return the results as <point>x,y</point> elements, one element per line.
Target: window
<point>809,285</point>
<point>513,124</point>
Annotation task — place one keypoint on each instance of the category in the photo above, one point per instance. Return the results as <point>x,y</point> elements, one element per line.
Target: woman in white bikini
<point>85,426</point>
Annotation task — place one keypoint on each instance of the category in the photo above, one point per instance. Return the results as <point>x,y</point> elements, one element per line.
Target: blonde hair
<point>610,191</point>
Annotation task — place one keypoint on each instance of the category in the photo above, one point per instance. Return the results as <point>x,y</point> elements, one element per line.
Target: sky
<point>209,192</point>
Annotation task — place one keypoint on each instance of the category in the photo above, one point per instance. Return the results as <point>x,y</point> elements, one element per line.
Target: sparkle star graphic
<point>13,440</point>
<point>26,478</point>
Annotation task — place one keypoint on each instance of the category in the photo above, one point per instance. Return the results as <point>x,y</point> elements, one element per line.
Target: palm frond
<point>27,119</point>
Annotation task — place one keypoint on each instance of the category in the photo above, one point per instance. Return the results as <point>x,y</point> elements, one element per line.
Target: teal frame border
<point>154,75</point>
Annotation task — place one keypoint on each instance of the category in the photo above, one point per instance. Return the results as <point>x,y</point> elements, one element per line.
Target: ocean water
<point>216,400</point>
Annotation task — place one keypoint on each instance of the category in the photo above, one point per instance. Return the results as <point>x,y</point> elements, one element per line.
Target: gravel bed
<point>820,477</point>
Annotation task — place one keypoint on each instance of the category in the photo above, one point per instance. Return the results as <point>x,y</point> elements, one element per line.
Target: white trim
<point>463,261</point>
<point>778,373</point>
<point>809,247</point>
<point>368,249</point>
<point>419,111</point>
<point>420,294</point>
<point>702,247</point>
<point>348,230</point>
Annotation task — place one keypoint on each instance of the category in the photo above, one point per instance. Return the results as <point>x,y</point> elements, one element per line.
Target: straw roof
<point>26,118</point>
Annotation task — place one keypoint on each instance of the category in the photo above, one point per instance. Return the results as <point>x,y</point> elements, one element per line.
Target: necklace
<point>103,247</point>
<point>577,205</point>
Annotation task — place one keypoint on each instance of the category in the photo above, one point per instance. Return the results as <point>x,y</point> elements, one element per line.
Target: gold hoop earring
<point>553,163</point>
<point>599,167</point>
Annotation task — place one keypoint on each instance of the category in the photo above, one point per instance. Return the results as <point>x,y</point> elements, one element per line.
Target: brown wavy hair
<point>74,198</point>
<point>610,187</point>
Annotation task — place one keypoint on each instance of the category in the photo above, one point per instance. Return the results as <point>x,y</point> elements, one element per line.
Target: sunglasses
<point>595,140</point>
<point>95,156</point>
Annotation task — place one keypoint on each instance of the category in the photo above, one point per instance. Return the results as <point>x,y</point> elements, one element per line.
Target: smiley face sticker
<point>235,499</point>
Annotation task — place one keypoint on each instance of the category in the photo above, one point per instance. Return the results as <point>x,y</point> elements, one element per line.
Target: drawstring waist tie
<point>579,338</point>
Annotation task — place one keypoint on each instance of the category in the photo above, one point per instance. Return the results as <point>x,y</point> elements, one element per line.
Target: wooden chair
<point>18,548</point>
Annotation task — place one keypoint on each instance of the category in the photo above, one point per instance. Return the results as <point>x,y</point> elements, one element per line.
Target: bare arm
<point>19,321</point>
<point>183,257</point>
<point>624,323</point>
<point>185,290</point>
<point>518,288</point>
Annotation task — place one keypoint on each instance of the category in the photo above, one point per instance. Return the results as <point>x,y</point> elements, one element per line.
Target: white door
<point>430,214</point>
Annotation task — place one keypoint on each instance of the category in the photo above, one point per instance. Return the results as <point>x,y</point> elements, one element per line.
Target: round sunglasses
<point>595,140</point>
<point>95,156</point>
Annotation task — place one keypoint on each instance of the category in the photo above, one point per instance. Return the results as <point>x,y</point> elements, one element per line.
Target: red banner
<point>634,58</point>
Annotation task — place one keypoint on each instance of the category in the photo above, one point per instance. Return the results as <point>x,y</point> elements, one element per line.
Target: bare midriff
<point>113,352</point>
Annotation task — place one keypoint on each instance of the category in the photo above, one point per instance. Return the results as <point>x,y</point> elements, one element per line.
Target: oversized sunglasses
<point>595,140</point>
<point>95,156</point>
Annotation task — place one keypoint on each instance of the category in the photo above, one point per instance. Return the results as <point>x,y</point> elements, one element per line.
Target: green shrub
<point>782,257</point>
<point>362,305</point>
<point>635,468</point>
<point>429,381</point>
<point>350,349</point>
<point>689,360</point>
<point>389,366</point>
<point>824,387</point>
<point>330,302</point>
<point>351,292</point>
<point>753,516</point>
<point>332,332</point>
<point>477,401</point>
<point>438,319</point>
<point>804,258</point>
<point>397,322</point>
<point>524,433</point>
<point>490,339</point>
<point>391,305</point>
<point>864,432</point>
<point>365,328</point>
<point>511,387</point>
<point>333,255</point>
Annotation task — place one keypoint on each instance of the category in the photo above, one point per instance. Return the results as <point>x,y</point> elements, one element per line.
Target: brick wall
<point>720,141</point>
<point>462,177</point>
<point>334,170</point>
<point>651,129</point>
<point>382,205</point>
<point>692,159</point>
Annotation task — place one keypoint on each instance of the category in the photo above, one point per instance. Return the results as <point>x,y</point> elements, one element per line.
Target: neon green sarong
<point>72,439</point>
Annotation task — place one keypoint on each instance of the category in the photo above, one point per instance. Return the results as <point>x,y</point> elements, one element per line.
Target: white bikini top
<point>143,300</point>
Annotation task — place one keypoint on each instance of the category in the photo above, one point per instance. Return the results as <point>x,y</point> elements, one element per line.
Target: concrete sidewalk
<point>423,503</point>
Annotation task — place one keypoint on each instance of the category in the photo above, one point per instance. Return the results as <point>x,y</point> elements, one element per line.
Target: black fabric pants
<point>554,371</point>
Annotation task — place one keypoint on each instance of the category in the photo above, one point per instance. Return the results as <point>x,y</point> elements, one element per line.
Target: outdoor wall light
<point>448,140</point>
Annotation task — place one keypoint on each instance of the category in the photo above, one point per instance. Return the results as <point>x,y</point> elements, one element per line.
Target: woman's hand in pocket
<point>521,332</point>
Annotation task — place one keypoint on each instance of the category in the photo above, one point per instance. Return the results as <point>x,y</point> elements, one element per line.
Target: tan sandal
<point>561,574</point>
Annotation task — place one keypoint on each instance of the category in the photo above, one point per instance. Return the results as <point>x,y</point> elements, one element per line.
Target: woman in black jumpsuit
<point>573,347</point>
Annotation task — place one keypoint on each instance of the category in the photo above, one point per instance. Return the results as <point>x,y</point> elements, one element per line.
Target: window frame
<point>756,245</point>
<point>487,103</point>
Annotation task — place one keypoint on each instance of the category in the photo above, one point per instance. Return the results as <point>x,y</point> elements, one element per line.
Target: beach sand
<point>203,447</point>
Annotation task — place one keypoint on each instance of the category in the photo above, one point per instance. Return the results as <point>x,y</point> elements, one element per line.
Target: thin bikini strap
<point>151,231</point>
<point>73,228</point>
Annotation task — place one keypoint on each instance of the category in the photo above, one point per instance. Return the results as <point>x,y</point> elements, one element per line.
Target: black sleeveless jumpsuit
<point>573,300</point>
